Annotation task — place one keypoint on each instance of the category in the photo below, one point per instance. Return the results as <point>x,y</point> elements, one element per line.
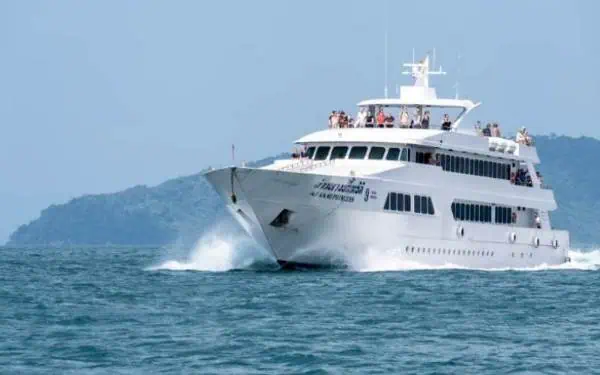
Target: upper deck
<point>459,141</point>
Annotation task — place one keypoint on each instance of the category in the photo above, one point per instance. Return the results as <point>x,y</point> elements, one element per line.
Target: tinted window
<point>393,154</point>
<point>430,207</point>
<point>400,202</point>
<point>358,152</point>
<point>339,152</point>
<point>407,202</point>
<point>393,201</point>
<point>404,156</point>
<point>322,153</point>
<point>424,205</point>
<point>417,204</point>
<point>376,153</point>
<point>310,152</point>
<point>480,162</point>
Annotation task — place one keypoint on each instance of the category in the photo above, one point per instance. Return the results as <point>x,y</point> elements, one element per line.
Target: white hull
<point>328,228</point>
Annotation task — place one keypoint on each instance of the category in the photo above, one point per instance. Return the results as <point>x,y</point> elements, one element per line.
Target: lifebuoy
<point>512,237</point>
<point>536,241</point>
<point>555,243</point>
<point>460,231</point>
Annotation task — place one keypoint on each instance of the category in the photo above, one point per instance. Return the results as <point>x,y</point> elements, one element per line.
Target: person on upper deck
<point>487,131</point>
<point>446,123</point>
<point>404,118</point>
<point>496,130</point>
<point>334,119</point>
<point>389,121</point>
<point>478,129</point>
<point>425,120</point>
<point>416,121</point>
<point>380,118</point>
<point>522,137</point>
<point>361,118</point>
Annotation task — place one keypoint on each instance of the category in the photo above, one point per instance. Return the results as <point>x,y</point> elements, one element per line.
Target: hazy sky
<point>96,96</point>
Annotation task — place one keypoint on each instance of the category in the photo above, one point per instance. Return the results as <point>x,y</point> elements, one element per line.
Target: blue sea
<point>223,307</point>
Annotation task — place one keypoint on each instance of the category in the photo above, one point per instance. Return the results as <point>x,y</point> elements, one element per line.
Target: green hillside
<point>181,208</point>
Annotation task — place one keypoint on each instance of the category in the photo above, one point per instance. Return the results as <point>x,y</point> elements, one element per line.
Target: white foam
<point>220,249</point>
<point>385,261</point>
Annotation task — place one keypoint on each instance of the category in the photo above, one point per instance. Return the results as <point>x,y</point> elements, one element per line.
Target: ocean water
<point>224,307</point>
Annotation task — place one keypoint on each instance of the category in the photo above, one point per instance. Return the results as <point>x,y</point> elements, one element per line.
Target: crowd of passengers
<point>370,118</point>
<point>493,130</point>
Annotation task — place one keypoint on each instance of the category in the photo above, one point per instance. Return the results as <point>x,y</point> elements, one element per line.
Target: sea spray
<point>221,248</point>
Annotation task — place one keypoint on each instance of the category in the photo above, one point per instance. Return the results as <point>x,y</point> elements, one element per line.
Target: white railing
<point>306,165</point>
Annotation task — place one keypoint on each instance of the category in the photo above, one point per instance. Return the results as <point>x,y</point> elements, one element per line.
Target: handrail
<point>306,165</point>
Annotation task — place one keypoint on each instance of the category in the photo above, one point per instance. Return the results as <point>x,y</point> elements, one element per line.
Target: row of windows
<point>482,213</point>
<point>472,212</point>
<point>475,167</point>
<point>503,215</point>
<point>358,152</point>
<point>423,205</point>
<point>401,203</point>
<point>418,250</point>
<point>397,202</point>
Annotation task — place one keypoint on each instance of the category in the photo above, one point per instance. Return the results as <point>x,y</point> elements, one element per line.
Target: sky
<point>98,96</point>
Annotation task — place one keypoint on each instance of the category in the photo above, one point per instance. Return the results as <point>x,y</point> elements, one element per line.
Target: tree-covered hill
<point>181,208</point>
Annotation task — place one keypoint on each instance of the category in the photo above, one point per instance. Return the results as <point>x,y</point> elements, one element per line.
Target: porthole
<point>492,253</point>
<point>522,255</point>
<point>469,252</point>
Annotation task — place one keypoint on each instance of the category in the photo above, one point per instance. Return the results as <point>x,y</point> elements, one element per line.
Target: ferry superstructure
<point>430,196</point>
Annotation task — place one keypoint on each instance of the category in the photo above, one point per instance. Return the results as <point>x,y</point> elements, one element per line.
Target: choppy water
<point>139,311</point>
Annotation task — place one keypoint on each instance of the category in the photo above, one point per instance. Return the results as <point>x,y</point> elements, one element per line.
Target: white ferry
<point>429,193</point>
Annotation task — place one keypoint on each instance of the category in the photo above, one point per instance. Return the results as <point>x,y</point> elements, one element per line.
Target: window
<point>322,153</point>
<point>358,152</point>
<point>397,202</point>
<point>376,153</point>
<point>393,154</point>
<point>405,155</point>
<point>494,170</point>
<point>472,212</point>
<point>423,205</point>
<point>339,152</point>
<point>480,162</point>
<point>476,168</point>
<point>486,169</point>
<point>310,152</point>
<point>461,165</point>
<point>471,171</point>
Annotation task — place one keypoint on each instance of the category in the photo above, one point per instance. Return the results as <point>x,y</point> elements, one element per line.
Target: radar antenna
<point>420,71</point>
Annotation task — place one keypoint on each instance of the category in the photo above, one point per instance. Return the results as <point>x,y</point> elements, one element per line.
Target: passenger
<point>416,121</point>
<point>497,127</point>
<point>380,118</point>
<point>514,217</point>
<point>425,120</point>
<point>370,117</point>
<point>335,120</point>
<point>446,123</point>
<point>343,120</point>
<point>487,131</point>
<point>350,122</point>
<point>389,121</point>
<point>361,118</point>
<point>404,118</point>
<point>331,116</point>
<point>521,136</point>
<point>539,176</point>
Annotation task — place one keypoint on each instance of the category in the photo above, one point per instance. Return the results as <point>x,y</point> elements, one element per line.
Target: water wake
<point>221,249</point>
<point>384,261</point>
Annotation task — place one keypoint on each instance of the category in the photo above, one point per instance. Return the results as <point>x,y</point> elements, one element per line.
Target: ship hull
<point>312,220</point>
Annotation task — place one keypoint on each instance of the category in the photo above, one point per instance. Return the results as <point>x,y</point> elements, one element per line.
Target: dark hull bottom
<point>284,264</point>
